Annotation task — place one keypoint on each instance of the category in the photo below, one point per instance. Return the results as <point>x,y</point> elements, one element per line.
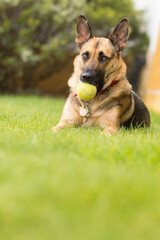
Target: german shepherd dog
<point>99,63</point>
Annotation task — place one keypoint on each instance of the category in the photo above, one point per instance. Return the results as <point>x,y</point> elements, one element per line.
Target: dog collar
<point>111,85</point>
<point>102,91</point>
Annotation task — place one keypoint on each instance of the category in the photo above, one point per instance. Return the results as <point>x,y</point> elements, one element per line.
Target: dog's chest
<point>88,122</point>
<point>87,111</point>
<point>92,112</point>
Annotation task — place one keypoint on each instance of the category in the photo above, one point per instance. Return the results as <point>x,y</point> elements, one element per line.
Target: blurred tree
<point>33,32</point>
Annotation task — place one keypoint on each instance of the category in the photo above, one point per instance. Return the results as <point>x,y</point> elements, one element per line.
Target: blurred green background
<point>37,45</point>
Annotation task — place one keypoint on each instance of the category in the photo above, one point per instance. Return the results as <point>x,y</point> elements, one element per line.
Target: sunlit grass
<point>76,184</point>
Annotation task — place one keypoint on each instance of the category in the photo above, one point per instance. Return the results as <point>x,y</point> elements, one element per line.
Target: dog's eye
<point>103,59</point>
<point>85,56</point>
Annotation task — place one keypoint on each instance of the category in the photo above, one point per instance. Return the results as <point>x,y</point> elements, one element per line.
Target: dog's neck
<point>116,74</point>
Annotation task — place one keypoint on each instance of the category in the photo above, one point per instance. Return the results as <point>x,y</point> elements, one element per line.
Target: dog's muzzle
<point>90,76</point>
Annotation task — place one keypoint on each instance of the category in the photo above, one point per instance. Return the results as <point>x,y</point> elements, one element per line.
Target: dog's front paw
<point>57,128</point>
<point>109,131</point>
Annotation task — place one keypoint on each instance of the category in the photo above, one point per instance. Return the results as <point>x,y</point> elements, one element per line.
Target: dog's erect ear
<point>120,34</point>
<point>83,31</point>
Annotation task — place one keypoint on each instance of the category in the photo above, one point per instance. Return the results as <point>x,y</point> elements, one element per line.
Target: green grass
<point>76,184</point>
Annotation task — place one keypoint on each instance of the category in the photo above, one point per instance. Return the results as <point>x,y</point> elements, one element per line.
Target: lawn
<point>76,184</point>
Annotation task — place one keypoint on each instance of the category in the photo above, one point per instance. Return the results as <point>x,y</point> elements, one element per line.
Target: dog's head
<point>99,57</point>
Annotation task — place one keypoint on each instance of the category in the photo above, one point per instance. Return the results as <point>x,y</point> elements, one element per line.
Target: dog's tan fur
<point>116,105</point>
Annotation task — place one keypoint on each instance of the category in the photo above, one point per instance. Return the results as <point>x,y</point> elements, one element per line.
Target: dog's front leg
<point>70,117</point>
<point>110,121</point>
<point>62,124</point>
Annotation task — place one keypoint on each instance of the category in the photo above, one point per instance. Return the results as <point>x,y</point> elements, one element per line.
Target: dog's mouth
<point>96,80</point>
<point>99,86</point>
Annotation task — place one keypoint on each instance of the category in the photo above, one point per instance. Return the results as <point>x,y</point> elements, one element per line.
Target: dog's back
<point>140,116</point>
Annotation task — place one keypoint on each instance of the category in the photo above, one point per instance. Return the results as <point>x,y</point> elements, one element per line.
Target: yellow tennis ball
<point>86,91</point>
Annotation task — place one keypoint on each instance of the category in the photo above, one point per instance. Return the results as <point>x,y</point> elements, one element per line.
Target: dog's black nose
<point>87,76</point>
